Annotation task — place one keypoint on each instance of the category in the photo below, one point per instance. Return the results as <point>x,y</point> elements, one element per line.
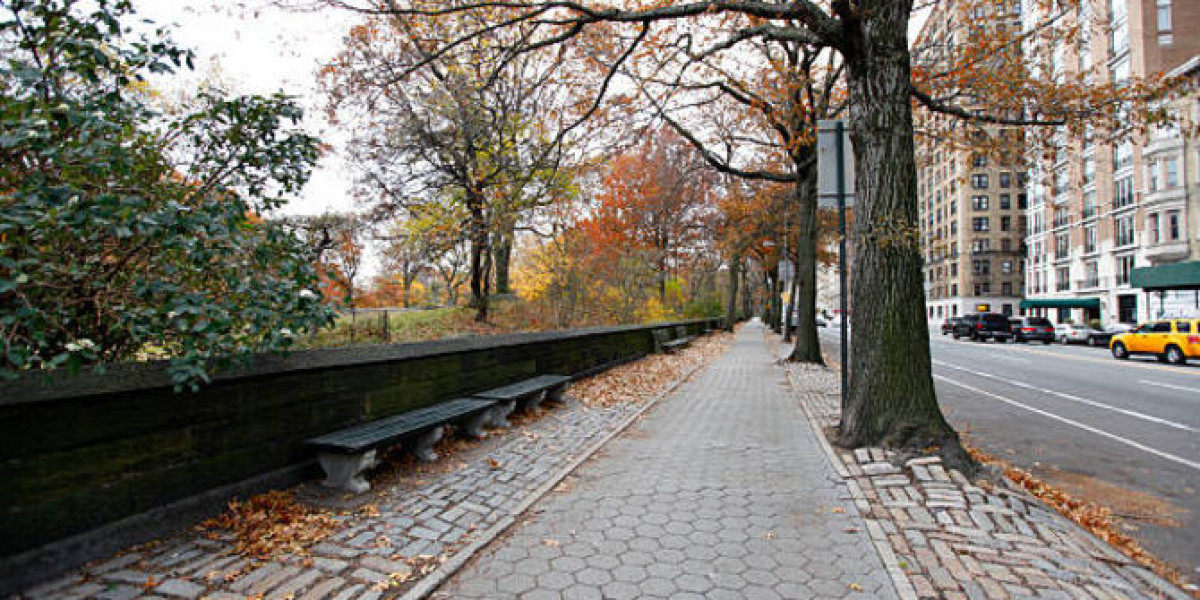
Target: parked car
<point>981,326</point>
<point>1103,337</point>
<point>1035,329</point>
<point>1068,333</point>
<point>1171,340</point>
<point>949,324</point>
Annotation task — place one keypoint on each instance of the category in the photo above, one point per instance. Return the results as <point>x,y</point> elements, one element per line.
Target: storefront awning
<point>1178,276</point>
<point>1092,303</point>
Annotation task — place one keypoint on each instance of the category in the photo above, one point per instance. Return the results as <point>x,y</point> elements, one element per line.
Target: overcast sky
<point>262,49</point>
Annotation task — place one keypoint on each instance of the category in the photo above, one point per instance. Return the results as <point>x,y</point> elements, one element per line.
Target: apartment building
<point>972,203</point>
<point>1105,207</point>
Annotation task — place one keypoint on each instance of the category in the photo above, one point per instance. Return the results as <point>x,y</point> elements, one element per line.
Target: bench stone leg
<point>344,471</point>
<point>555,394</point>
<point>474,424</point>
<point>498,415</point>
<point>423,445</point>
<point>531,401</point>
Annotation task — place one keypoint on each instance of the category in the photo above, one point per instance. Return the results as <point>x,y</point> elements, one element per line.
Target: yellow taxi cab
<point>1171,340</point>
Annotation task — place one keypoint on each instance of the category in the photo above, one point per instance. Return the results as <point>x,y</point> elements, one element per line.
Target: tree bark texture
<point>731,308</point>
<point>891,399</point>
<point>807,348</point>
<point>479,260</point>
<point>502,257</point>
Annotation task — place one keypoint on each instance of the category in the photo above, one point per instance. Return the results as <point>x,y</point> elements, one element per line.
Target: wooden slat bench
<point>529,393</point>
<point>346,453</point>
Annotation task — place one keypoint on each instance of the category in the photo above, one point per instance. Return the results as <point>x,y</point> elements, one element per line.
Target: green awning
<point>1178,276</point>
<point>1092,303</point>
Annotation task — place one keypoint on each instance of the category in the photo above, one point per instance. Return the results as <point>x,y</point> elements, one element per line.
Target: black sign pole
<point>841,204</point>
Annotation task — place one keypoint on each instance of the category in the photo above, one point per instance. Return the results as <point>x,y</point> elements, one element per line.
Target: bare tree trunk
<point>502,257</point>
<point>479,257</point>
<point>735,264</point>
<point>891,399</point>
<point>807,346</point>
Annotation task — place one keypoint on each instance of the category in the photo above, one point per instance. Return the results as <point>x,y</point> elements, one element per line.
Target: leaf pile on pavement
<point>273,523</point>
<point>641,380</point>
<point>1093,517</point>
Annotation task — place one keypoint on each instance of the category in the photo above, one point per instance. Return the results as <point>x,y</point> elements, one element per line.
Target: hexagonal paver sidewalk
<point>722,491</point>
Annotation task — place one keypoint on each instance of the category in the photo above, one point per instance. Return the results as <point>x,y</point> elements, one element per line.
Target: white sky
<point>261,49</point>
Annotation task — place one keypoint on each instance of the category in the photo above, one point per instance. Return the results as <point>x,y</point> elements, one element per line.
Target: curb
<point>883,547</point>
<point>431,582</point>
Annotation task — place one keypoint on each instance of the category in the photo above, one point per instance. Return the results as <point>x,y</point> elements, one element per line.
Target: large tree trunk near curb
<point>807,348</point>
<point>731,309</point>
<point>891,399</point>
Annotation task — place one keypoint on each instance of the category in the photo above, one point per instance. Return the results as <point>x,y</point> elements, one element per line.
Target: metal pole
<point>841,205</point>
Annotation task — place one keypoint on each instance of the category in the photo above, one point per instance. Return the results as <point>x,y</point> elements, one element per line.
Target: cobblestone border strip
<point>904,588</point>
<point>431,582</point>
<point>964,542</point>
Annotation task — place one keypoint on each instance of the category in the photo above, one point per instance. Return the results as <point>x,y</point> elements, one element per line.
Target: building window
<point>1152,227</point>
<point>954,292</point>
<point>1062,279</point>
<point>981,266</point>
<point>1173,226</point>
<point>981,245</point>
<point>1089,239</point>
<point>980,224</point>
<point>1005,223</point>
<point>1124,268</point>
<point>979,202</point>
<point>954,269</point>
<point>1089,204</point>
<point>979,181</point>
<point>1006,180</point>
<point>1005,201</point>
<point>1091,275</point>
<point>1061,182</point>
<point>979,160</point>
<point>1022,201</point>
<point>1089,170</point>
<point>954,207</point>
<point>1123,155</point>
<point>953,227</point>
<point>1152,176</point>
<point>1124,231</point>
<point>1006,289</point>
<point>1123,192</point>
<point>1164,15</point>
<point>1170,173</point>
<point>1006,245</point>
<point>1062,246</point>
<point>1006,267</point>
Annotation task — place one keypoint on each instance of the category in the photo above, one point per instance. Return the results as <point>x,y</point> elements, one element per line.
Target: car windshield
<point>995,320</point>
<point>1040,322</point>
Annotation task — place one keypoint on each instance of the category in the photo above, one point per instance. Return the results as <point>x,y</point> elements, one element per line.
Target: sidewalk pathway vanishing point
<point>723,491</point>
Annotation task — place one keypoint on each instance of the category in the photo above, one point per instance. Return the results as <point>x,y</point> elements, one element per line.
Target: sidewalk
<point>723,491</point>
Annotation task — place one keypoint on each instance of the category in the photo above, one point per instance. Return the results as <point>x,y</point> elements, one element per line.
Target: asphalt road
<point>1125,434</point>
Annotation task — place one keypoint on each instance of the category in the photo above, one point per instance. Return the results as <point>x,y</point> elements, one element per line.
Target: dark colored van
<point>983,326</point>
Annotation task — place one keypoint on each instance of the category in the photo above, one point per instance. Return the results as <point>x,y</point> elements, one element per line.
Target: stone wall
<point>93,453</point>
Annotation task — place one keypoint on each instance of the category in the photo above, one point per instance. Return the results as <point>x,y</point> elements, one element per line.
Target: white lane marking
<point>1093,403</point>
<point>1169,386</point>
<point>1112,436</point>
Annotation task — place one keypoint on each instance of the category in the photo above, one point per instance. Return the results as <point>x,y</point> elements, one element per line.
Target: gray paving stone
<point>179,588</point>
<point>722,489</point>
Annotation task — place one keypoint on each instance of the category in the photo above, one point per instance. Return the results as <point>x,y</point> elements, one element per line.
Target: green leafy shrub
<point>125,232</point>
